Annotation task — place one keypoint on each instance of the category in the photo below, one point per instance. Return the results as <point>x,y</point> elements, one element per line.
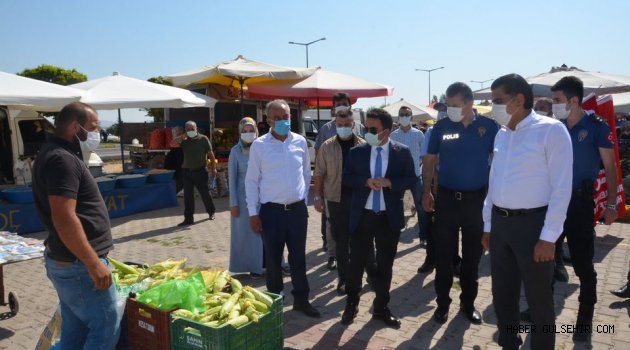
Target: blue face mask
<point>282,127</point>
<point>372,139</point>
<point>344,133</point>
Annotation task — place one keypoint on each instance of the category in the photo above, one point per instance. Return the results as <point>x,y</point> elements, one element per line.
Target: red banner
<point>603,107</point>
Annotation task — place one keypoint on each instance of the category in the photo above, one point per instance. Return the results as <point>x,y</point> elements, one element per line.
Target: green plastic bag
<point>186,294</point>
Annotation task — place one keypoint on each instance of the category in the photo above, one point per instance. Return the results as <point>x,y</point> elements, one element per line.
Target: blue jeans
<point>422,216</point>
<point>90,319</point>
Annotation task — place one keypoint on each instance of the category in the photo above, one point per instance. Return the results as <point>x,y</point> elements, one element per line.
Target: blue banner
<point>23,218</point>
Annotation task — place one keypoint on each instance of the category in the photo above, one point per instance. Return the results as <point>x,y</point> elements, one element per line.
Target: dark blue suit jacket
<point>400,172</point>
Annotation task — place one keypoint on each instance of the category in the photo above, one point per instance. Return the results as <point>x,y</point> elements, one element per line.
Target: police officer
<point>592,143</point>
<point>463,142</point>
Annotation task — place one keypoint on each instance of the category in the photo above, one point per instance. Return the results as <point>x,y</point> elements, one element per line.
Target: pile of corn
<point>228,302</point>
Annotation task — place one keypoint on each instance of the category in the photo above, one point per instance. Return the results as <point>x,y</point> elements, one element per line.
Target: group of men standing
<point>514,186</point>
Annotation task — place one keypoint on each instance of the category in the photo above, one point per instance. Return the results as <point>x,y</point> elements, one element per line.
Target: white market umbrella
<point>594,82</point>
<point>238,73</point>
<point>26,93</point>
<point>322,84</point>
<point>418,113</point>
<point>118,91</point>
<point>621,102</point>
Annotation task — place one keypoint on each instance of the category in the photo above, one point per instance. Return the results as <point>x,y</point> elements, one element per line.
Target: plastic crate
<point>149,328</point>
<point>267,334</point>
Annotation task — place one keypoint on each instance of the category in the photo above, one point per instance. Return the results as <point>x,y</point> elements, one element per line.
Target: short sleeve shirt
<point>60,171</point>
<point>464,152</point>
<point>196,152</point>
<point>587,137</point>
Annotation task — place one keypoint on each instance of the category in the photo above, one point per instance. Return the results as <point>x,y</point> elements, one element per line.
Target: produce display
<point>208,296</point>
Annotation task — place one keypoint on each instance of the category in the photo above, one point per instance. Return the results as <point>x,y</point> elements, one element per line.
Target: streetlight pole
<point>429,71</point>
<point>481,82</point>
<point>306,45</point>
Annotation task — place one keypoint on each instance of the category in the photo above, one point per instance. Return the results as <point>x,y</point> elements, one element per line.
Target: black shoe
<point>386,316</point>
<point>440,315</point>
<point>349,313</point>
<point>560,273</point>
<point>472,315</point>
<point>427,267</point>
<point>211,216</point>
<point>623,292</point>
<point>457,269</point>
<point>185,223</point>
<point>255,275</point>
<point>332,263</point>
<point>286,270</point>
<point>526,316</point>
<point>423,243</point>
<point>341,288</point>
<point>584,323</point>
<point>307,309</point>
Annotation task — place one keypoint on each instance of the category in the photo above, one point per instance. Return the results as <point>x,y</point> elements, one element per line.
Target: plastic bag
<point>50,336</point>
<point>186,294</point>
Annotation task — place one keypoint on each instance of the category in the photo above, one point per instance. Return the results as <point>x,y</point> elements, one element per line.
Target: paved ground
<point>151,237</point>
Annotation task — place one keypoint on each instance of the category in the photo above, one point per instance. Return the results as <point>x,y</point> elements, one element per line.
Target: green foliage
<point>113,130</point>
<point>157,113</point>
<point>54,74</point>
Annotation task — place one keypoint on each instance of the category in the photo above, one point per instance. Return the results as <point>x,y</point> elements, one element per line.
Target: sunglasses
<point>373,131</point>
<point>405,115</point>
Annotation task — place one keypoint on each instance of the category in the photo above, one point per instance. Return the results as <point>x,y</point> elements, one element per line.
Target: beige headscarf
<point>244,122</point>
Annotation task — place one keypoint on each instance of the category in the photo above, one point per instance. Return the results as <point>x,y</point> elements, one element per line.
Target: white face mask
<point>500,114</point>
<point>404,121</point>
<point>92,141</point>
<point>454,114</point>
<point>248,137</point>
<point>191,133</point>
<point>560,111</point>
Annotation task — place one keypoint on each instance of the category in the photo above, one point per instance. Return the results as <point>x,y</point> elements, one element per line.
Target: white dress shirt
<point>532,167</point>
<point>277,172</point>
<point>384,162</point>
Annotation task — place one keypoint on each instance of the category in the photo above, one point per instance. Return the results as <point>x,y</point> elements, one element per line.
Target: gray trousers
<point>512,241</point>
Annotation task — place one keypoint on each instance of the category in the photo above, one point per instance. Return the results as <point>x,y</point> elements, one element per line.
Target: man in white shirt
<point>524,211</point>
<point>276,186</point>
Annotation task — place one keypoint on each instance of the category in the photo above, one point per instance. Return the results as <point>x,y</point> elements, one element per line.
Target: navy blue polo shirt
<point>587,137</point>
<point>464,152</point>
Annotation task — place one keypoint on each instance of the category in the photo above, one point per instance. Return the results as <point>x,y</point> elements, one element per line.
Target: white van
<point>22,133</point>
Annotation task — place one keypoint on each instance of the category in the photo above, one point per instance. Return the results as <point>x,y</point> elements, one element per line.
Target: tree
<point>113,129</point>
<point>54,74</point>
<point>157,113</point>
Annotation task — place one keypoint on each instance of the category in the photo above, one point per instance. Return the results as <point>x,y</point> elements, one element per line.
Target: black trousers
<point>452,212</point>
<point>578,228</point>
<point>430,249</point>
<point>285,227</point>
<point>340,225</point>
<point>372,228</point>
<point>196,178</point>
<point>512,241</point>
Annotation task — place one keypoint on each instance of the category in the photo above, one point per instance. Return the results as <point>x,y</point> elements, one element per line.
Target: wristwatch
<point>611,206</point>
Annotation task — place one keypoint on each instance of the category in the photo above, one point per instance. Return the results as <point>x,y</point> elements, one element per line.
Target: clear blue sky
<point>381,41</point>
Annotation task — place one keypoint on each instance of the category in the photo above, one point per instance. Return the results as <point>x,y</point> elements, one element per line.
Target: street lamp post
<point>306,45</point>
<point>481,82</point>
<point>429,71</point>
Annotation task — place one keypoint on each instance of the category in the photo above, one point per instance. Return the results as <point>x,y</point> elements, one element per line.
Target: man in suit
<point>379,173</point>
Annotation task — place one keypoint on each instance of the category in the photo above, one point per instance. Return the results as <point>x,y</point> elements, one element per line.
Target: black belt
<point>517,212</point>
<point>377,213</point>
<point>285,207</point>
<point>68,260</point>
<point>461,195</point>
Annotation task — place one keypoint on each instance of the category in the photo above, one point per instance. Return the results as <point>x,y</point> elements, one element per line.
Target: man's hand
<point>485,241</point>
<point>234,211</point>
<point>428,202</point>
<point>383,182</point>
<point>319,205</point>
<point>544,251</point>
<point>100,275</point>
<point>373,184</point>
<point>610,215</point>
<point>255,224</point>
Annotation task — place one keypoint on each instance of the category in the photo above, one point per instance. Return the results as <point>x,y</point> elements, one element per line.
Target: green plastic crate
<point>267,334</point>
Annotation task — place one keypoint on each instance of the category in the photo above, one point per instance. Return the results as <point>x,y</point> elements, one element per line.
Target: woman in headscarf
<point>246,247</point>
